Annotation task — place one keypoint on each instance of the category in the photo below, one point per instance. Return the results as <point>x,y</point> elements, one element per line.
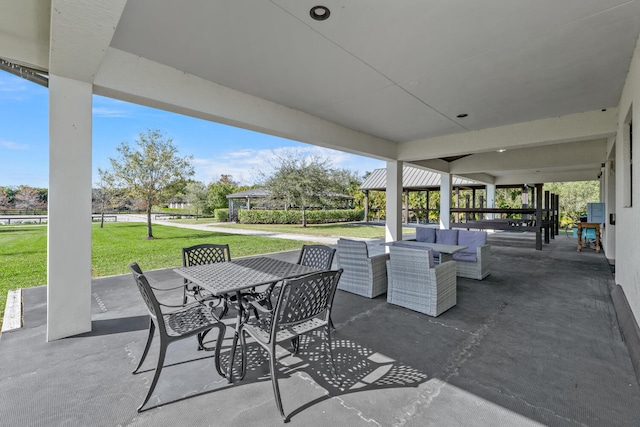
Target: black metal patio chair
<point>175,323</point>
<point>303,305</point>
<point>206,253</point>
<point>316,256</point>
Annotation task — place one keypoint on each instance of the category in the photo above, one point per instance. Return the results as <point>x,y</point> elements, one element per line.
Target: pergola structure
<point>416,179</point>
<point>498,91</point>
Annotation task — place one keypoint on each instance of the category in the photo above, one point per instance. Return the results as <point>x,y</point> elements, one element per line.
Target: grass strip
<point>23,250</point>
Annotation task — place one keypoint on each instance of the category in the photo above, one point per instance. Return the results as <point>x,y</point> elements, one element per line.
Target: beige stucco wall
<point>627,241</point>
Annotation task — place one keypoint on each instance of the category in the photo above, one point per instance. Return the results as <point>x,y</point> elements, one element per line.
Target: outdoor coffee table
<point>236,276</point>
<point>446,251</point>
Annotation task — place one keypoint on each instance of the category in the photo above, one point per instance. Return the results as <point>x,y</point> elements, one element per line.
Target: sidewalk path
<point>222,229</point>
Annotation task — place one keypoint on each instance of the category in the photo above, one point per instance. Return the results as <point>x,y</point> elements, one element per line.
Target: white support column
<point>394,201</point>
<point>69,231</point>
<point>491,198</point>
<point>446,185</point>
<point>609,232</point>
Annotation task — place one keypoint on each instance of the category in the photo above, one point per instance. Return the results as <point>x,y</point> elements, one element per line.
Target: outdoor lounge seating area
<point>473,261</point>
<point>535,343</point>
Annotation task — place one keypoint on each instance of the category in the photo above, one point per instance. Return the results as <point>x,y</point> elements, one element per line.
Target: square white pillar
<point>446,185</point>
<point>491,198</point>
<point>69,229</point>
<point>394,201</point>
<point>609,231</point>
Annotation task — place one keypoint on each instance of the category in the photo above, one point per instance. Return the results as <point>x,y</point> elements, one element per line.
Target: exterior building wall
<point>627,191</point>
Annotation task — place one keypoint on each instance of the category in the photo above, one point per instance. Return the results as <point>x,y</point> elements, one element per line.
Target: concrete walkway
<point>221,228</point>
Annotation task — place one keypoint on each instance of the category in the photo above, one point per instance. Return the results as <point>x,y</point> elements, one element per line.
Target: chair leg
<point>201,336</point>
<point>274,381</point>
<point>221,331</point>
<point>243,350</point>
<point>163,352</point>
<point>152,329</point>
<point>232,354</point>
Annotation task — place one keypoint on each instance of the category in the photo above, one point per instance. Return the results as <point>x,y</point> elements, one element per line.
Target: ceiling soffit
<point>400,71</point>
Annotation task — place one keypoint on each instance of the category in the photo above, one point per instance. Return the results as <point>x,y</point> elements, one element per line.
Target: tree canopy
<point>574,197</point>
<point>306,182</point>
<point>150,172</point>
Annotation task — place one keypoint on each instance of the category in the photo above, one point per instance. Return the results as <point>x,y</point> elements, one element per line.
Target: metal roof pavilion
<point>413,179</point>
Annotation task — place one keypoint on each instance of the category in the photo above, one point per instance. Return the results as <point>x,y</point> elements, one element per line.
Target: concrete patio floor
<point>536,343</point>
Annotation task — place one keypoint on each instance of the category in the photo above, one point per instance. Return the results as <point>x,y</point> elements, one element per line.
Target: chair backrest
<point>352,252</point>
<point>148,296</point>
<point>317,256</point>
<point>305,298</point>
<point>411,259</point>
<point>207,253</point>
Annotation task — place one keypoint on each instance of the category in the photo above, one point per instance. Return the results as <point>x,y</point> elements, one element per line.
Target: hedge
<point>221,215</point>
<point>259,216</point>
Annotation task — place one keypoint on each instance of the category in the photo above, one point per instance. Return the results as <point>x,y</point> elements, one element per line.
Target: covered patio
<point>525,93</point>
<point>535,343</point>
<point>498,92</point>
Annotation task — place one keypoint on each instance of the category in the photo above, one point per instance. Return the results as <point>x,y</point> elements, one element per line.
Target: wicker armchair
<point>363,275</point>
<point>415,283</point>
<point>479,269</point>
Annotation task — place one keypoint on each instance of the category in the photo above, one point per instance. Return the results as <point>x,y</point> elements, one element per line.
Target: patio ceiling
<point>385,79</point>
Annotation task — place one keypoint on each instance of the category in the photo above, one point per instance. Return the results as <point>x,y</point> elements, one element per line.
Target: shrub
<point>221,215</point>
<point>258,216</point>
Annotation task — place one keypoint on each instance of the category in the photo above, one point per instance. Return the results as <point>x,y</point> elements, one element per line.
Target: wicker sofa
<point>416,283</point>
<point>473,262</point>
<point>362,275</point>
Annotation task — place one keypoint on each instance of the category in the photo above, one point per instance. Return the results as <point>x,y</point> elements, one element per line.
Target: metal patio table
<point>238,275</point>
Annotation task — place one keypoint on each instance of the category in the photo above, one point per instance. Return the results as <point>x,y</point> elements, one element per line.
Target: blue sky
<point>217,149</point>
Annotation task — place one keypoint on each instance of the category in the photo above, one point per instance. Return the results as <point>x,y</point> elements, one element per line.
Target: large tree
<point>305,182</point>
<point>104,194</point>
<point>4,199</point>
<point>27,198</point>
<point>574,197</point>
<point>196,194</point>
<point>217,192</point>
<point>151,171</point>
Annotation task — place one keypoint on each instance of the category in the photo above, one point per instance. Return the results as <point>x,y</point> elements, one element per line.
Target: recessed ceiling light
<point>320,13</point>
<point>502,150</point>
<point>461,116</point>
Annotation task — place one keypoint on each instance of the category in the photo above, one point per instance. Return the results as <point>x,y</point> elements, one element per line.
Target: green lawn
<point>23,250</point>
<point>329,230</point>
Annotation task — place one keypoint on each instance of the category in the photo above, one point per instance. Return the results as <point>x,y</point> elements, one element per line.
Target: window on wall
<point>628,161</point>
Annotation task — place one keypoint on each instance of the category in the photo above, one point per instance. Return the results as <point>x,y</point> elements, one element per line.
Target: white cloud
<point>240,154</point>
<point>247,166</point>
<point>10,145</point>
<point>109,112</point>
